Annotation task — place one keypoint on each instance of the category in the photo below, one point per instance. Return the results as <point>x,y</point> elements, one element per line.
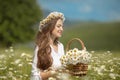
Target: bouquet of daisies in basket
<point>75,60</point>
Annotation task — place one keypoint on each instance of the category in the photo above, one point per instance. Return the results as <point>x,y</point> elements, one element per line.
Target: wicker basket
<point>79,69</point>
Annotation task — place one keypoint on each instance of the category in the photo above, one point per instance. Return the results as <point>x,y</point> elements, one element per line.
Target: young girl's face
<point>57,31</point>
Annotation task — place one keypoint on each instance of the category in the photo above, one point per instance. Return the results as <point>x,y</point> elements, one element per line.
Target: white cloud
<point>114,15</point>
<point>85,9</point>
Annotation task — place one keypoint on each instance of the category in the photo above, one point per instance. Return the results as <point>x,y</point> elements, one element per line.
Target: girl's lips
<point>60,32</point>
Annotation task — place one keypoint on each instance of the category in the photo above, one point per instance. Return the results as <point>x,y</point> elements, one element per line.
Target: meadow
<point>15,64</point>
<point>95,35</point>
<point>101,40</point>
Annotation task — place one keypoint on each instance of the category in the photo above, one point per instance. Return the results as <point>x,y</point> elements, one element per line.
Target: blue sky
<point>100,10</point>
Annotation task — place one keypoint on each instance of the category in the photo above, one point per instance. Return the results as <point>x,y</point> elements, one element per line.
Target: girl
<point>46,60</point>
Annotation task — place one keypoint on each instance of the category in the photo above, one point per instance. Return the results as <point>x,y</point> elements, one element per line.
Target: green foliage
<point>17,18</point>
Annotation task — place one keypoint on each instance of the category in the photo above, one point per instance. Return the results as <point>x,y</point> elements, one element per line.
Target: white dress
<point>35,72</point>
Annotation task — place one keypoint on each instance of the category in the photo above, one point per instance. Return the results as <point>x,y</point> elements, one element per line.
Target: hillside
<point>96,35</point>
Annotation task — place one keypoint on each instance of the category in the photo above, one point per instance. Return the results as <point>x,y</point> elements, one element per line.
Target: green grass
<point>96,36</point>
<point>15,64</point>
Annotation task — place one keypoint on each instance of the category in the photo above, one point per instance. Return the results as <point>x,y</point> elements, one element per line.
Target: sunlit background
<point>85,10</point>
<point>95,22</point>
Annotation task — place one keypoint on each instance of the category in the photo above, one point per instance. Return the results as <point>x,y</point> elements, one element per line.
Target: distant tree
<point>17,18</point>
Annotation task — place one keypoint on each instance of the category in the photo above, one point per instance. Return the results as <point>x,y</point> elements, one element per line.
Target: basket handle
<point>81,42</point>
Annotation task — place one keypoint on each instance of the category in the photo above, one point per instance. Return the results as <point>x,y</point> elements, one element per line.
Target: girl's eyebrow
<point>59,25</point>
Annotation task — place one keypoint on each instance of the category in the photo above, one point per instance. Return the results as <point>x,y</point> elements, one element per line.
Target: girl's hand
<point>53,72</point>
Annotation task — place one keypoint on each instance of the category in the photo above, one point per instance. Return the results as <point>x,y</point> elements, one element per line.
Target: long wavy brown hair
<point>42,41</point>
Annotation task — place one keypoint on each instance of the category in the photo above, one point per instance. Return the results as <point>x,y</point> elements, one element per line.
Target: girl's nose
<point>61,28</point>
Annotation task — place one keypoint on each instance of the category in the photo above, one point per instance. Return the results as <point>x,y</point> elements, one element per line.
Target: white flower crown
<point>51,16</point>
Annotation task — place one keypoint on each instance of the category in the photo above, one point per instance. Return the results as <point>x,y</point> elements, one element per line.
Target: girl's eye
<point>58,26</point>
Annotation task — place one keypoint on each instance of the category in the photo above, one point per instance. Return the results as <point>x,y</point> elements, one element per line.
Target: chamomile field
<point>15,64</point>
